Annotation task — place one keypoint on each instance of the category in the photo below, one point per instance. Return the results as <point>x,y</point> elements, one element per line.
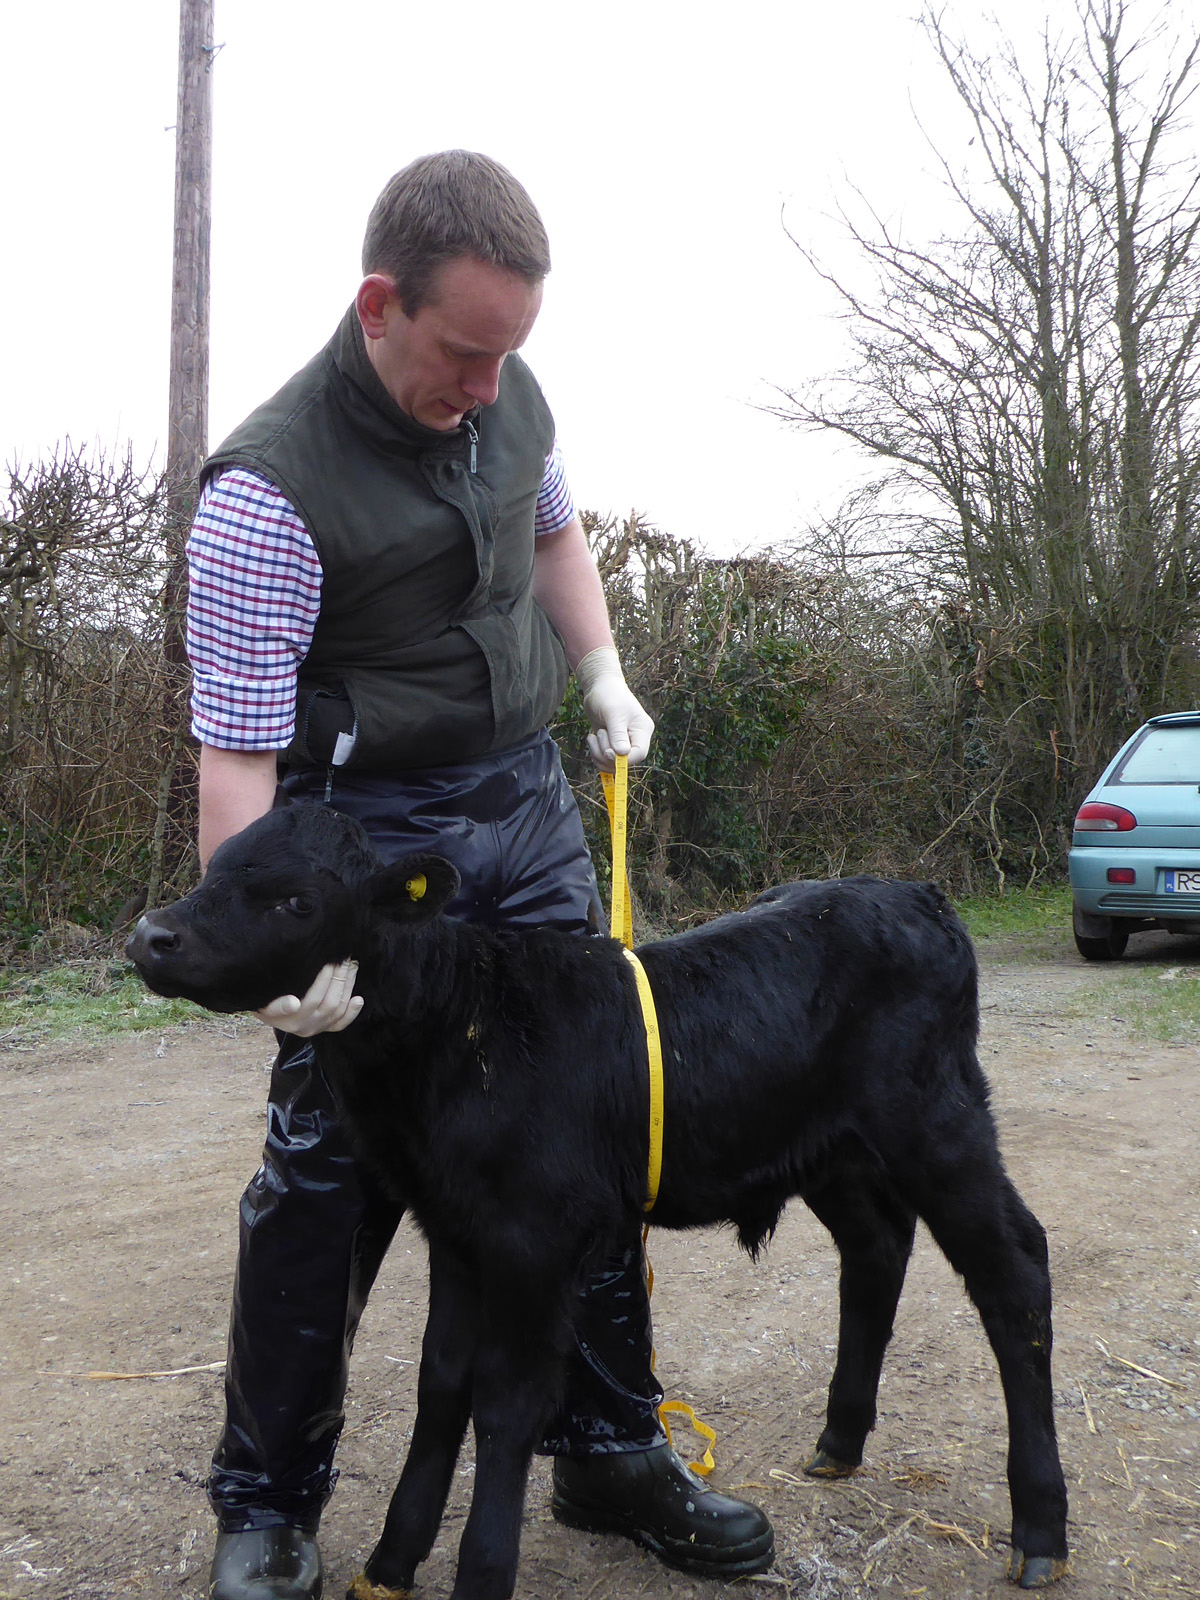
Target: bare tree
<point>1031,381</point>
<point>88,703</point>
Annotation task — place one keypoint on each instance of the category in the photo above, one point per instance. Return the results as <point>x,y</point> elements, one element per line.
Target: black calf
<point>821,1043</point>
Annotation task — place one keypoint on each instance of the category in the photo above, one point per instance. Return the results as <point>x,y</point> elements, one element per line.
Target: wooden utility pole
<point>187,434</point>
<point>187,418</point>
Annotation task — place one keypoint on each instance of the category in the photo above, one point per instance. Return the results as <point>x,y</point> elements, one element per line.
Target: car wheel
<point>1098,943</point>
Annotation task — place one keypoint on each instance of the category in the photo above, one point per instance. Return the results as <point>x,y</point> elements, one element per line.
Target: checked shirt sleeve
<point>555,507</point>
<point>254,591</point>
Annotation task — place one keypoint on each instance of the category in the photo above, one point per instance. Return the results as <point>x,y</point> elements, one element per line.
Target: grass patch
<point>1158,1003</point>
<point>101,996</point>
<point>1035,920</point>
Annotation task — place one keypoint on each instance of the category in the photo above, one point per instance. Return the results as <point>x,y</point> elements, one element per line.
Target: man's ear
<point>376,301</point>
<point>414,889</point>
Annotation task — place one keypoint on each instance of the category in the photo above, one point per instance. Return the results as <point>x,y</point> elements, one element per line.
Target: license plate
<point>1182,882</point>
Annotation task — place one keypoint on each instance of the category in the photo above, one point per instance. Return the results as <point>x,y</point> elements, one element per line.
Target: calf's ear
<point>414,889</point>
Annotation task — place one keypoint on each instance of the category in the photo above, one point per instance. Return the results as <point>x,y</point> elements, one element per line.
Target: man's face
<point>446,360</point>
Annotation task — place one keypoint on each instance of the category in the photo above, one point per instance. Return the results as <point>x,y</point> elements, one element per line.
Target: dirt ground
<point>125,1159</point>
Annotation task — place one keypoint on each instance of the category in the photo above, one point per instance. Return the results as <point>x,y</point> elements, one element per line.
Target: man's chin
<point>439,416</point>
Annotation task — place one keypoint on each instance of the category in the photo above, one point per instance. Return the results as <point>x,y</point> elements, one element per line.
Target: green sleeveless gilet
<point>430,647</point>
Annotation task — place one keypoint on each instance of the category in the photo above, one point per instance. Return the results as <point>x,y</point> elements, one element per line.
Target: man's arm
<point>244,689</point>
<point>567,586</point>
<point>254,588</point>
<point>236,787</point>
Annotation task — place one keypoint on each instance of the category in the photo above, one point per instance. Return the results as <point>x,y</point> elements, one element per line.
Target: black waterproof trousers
<point>315,1228</point>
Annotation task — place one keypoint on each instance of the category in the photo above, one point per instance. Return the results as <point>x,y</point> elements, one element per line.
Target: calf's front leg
<point>518,1365</point>
<point>443,1410</point>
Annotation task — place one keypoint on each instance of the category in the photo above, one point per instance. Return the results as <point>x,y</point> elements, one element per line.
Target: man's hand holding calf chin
<point>329,1006</point>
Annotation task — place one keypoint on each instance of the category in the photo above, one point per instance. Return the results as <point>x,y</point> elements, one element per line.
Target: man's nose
<point>483,383</point>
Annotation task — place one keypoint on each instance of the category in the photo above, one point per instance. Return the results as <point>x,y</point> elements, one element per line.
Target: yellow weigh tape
<point>654,1057</point>
<point>706,1463</point>
<point>616,794</point>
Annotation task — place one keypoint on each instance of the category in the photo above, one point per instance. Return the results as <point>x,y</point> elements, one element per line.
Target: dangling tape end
<point>681,1408</point>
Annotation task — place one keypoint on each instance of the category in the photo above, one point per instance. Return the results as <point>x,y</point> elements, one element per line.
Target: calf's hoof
<point>363,1589</point>
<point>265,1564</point>
<point>822,1465</point>
<point>1036,1572</point>
<point>653,1499</point>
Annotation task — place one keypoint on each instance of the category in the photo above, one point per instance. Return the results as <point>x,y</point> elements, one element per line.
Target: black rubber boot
<point>265,1564</point>
<point>653,1499</point>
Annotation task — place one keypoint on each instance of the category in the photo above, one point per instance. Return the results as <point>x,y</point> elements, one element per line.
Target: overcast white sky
<point>660,139</point>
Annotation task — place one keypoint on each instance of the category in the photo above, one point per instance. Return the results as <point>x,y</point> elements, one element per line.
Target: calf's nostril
<point>150,939</point>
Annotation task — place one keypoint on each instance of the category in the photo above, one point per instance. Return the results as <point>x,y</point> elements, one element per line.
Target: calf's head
<point>297,889</point>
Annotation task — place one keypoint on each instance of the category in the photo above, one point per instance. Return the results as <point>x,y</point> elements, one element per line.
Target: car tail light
<point>1097,816</point>
<point>1122,875</point>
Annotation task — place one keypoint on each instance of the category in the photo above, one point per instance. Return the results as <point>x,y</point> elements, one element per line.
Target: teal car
<point>1135,853</point>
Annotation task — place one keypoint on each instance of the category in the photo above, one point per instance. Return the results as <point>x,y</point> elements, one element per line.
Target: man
<point>388,584</point>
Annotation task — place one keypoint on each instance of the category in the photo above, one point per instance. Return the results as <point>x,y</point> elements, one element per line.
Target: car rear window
<point>1163,755</point>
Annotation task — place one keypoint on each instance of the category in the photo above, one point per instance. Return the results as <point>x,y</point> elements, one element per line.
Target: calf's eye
<point>302,905</point>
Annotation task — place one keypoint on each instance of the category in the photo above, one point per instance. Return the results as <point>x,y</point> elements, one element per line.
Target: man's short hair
<point>443,207</point>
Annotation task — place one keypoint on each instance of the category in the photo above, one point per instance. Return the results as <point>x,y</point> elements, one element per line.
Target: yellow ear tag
<point>416,886</point>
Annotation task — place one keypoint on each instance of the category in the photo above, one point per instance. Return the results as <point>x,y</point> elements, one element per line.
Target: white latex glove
<point>620,727</point>
<point>329,1006</point>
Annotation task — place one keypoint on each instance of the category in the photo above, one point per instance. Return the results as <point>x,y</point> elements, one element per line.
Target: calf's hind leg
<point>998,1246</point>
<point>443,1410</point>
<point>873,1231</point>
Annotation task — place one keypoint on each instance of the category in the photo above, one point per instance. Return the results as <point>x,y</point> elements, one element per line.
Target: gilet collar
<point>371,408</point>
